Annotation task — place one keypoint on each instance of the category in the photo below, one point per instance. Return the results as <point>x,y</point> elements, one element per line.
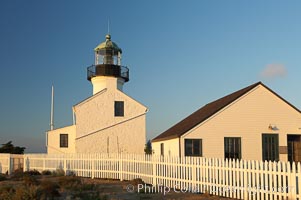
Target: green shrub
<point>3,177</point>
<point>49,189</point>
<point>32,172</point>
<point>6,195</point>
<point>20,193</point>
<point>6,192</point>
<point>30,180</point>
<point>70,173</point>
<point>17,175</point>
<point>137,181</point>
<point>70,182</point>
<point>27,193</point>
<point>89,196</point>
<point>58,172</point>
<point>46,172</point>
<point>86,187</point>
<point>33,192</point>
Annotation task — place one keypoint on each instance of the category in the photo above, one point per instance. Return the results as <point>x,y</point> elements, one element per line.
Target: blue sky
<point>181,55</point>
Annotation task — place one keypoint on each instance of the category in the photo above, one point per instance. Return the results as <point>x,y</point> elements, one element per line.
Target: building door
<point>270,147</point>
<point>294,148</point>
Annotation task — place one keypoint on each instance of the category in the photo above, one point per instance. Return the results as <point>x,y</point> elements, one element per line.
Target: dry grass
<point>33,186</point>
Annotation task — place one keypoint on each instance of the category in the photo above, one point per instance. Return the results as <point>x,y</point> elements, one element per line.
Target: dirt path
<point>128,190</point>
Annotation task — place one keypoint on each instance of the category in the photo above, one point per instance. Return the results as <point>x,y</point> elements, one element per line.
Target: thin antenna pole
<point>52,108</point>
<point>108,26</point>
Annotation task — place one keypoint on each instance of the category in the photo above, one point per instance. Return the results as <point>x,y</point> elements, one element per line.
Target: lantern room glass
<point>107,56</point>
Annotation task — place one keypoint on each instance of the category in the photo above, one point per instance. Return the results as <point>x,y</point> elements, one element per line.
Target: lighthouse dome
<point>108,45</point>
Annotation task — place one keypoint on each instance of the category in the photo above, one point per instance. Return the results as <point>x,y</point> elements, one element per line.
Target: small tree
<point>10,148</point>
<point>148,148</point>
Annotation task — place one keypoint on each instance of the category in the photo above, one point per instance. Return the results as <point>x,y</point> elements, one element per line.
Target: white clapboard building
<point>253,123</point>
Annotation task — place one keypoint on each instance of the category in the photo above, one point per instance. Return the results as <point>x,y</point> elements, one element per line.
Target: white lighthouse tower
<point>109,121</point>
<point>107,71</point>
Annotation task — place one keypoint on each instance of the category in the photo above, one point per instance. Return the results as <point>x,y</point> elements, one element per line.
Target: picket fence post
<point>299,177</point>
<point>65,165</point>
<point>193,174</point>
<point>9,165</point>
<point>44,162</point>
<point>93,166</point>
<point>292,185</point>
<point>154,170</point>
<point>120,167</point>
<point>24,164</point>
<point>245,188</point>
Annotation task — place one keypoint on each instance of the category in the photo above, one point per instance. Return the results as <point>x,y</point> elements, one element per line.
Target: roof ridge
<point>90,97</point>
<point>204,113</point>
<point>245,88</point>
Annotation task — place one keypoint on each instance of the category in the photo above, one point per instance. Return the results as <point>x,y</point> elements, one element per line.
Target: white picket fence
<point>4,163</point>
<point>112,166</point>
<point>10,162</point>
<point>238,179</point>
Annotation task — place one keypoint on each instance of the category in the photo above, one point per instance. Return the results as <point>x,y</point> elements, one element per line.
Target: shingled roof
<point>207,111</point>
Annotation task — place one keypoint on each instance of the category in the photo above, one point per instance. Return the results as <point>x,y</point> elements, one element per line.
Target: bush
<point>32,172</point>
<point>89,196</point>
<point>46,172</point>
<point>6,195</point>
<point>33,192</point>
<point>49,189</point>
<point>6,192</point>
<point>70,182</point>
<point>137,181</point>
<point>30,180</point>
<point>27,193</point>
<point>70,173</point>
<point>86,187</point>
<point>20,193</point>
<point>17,175</point>
<point>58,172</point>
<point>3,177</point>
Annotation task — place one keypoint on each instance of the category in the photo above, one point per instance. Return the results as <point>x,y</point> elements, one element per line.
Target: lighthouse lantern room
<point>107,72</point>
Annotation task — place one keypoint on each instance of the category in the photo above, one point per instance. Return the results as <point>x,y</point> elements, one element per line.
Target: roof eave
<point>165,138</point>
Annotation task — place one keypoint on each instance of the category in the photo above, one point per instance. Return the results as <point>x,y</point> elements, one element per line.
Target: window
<point>270,147</point>
<point>119,108</point>
<point>293,148</point>
<point>63,140</point>
<point>232,147</point>
<point>162,149</point>
<point>193,147</point>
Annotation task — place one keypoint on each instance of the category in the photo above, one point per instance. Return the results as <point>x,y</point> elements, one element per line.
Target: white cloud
<point>273,71</point>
